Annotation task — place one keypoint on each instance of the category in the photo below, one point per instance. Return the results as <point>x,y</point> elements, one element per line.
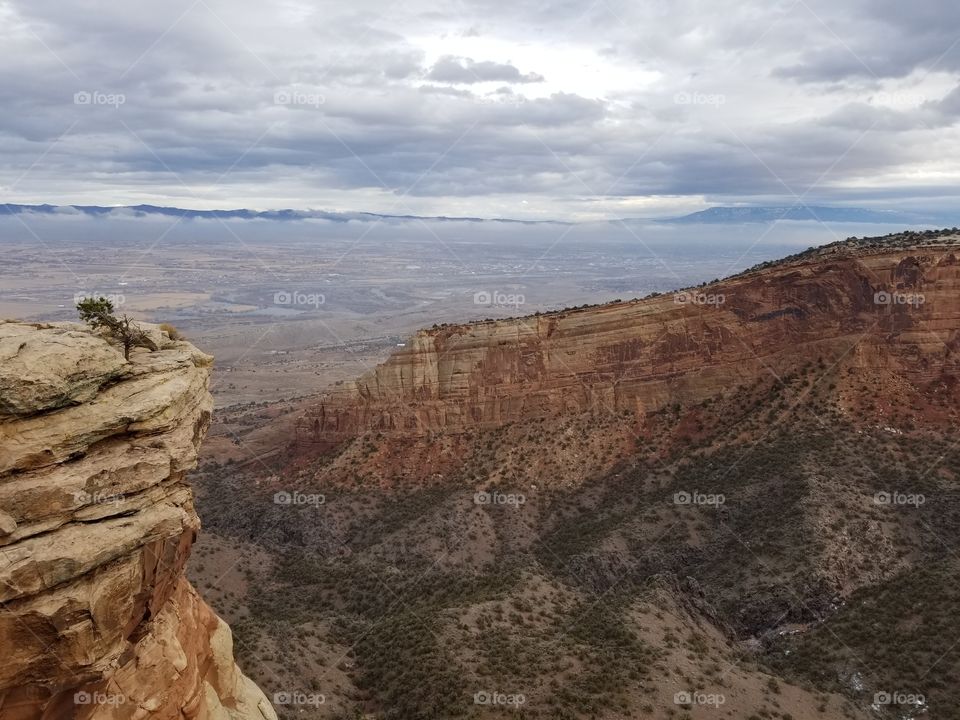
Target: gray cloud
<point>452,69</point>
<point>879,39</point>
<point>949,107</point>
<point>374,106</point>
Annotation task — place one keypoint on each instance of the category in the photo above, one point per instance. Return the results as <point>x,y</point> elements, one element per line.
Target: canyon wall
<point>895,308</point>
<point>96,525</point>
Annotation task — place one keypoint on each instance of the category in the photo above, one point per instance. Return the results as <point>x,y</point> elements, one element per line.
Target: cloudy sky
<point>570,110</point>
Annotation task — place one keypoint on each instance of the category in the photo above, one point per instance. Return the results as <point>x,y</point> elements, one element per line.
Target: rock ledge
<point>96,525</point>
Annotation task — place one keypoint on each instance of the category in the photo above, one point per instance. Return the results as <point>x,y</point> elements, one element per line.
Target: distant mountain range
<point>244,214</point>
<point>714,215</point>
<point>736,215</point>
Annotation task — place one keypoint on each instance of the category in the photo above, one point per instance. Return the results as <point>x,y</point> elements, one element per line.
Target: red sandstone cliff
<point>96,524</point>
<point>895,308</point>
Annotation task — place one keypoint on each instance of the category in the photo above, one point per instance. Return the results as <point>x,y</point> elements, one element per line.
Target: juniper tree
<point>98,313</point>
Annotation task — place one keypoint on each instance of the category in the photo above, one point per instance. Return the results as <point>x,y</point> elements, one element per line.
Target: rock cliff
<point>884,307</point>
<point>96,525</point>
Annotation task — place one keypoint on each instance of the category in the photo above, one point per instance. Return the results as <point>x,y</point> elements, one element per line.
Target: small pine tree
<point>98,313</point>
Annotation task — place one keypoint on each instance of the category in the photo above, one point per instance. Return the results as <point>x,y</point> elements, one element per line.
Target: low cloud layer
<point>558,110</point>
<point>450,69</point>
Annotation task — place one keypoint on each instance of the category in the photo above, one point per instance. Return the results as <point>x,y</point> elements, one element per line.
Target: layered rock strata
<point>895,309</point>
<point>96,525</point>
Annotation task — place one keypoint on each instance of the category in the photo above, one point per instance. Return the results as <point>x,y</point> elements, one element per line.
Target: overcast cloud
<point>550,110</point>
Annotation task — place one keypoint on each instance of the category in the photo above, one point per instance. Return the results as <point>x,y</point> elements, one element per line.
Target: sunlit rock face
<point>893,309</point>
<point>96,525</point>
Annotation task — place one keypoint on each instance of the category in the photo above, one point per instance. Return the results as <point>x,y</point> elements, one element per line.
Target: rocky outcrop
<point>880,308</point>
<point>96,525</point>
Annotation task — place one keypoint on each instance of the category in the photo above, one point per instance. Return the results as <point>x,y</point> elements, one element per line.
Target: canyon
<point>609,509</point>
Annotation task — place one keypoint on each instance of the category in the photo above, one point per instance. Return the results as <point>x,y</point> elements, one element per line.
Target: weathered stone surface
<point>96,525</point>
<point>640,356</point>
<point>44,367</point>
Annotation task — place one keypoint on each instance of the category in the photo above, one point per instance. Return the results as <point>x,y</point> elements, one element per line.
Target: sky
<point>538,110</point>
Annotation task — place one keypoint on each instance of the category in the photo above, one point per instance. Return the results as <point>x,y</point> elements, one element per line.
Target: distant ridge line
<point>245,214</point>
<point>720,215</point>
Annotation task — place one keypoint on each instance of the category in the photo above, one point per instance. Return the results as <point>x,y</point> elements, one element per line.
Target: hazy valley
<point>290,308</point>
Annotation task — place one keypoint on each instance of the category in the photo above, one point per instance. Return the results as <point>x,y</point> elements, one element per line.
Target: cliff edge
<point>96,525</point>
<point>889,307</point>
